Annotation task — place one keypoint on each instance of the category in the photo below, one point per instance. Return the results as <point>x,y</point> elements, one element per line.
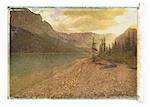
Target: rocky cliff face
<point>31,22</point>
<point>30,34</point>
<point>130,32</point>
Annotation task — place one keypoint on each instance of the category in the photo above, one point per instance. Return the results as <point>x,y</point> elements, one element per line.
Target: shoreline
<point>84,79</point>
<point>44,76</point>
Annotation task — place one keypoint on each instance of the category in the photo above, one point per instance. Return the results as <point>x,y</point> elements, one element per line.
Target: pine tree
<point>129,41</point>
<point>104,45</point>
<point>101,47</point>
<point>109,50</point>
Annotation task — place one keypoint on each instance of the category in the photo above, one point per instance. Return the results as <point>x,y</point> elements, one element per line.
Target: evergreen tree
<point>109,50</point>
<point>104,43</point>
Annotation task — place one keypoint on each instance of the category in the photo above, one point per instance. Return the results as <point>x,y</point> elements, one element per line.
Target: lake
<point>30,69</point>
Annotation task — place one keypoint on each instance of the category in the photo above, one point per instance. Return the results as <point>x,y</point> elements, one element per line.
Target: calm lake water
<point>29,69</point>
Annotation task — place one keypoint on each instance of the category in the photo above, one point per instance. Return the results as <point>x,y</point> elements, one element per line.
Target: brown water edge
<point>85,79</point>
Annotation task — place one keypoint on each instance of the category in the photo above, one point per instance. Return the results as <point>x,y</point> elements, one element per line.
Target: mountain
<point>130,32</point>
<point>30,34</point>
<point>84,40</point>
<point>31,22</point>
<point>25,41</point>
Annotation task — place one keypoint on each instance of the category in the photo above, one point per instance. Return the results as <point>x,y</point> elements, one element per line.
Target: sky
<point>96,20</point>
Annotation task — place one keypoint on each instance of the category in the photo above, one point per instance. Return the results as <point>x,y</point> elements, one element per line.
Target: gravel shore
<point>85,79</point>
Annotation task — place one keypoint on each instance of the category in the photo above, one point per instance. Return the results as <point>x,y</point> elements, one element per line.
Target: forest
<point>125,52</point>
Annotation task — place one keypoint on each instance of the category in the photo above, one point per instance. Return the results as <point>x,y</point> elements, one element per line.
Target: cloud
<point>89,19</point>
<point>98,13</point>
<point>99,20</point>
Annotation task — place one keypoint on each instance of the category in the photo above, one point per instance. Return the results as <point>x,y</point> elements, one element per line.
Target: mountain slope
<point>84,40</point>
<point>30,34</point>
<point>24,41</point>
<point>130,32</point>
<point>31,22</point>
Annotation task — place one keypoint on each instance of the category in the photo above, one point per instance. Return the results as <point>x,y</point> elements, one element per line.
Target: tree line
<point>129,46</point>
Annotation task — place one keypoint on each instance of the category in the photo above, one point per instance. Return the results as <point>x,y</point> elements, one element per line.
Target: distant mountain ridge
<point>84,39</point>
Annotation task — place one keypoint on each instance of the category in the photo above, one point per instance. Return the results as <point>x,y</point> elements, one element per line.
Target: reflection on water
<point>29,69</point>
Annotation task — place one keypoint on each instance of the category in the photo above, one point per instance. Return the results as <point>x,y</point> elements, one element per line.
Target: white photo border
<point>4,54</point>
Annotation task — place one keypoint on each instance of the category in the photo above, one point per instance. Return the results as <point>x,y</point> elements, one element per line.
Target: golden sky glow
<point>97,20</point>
